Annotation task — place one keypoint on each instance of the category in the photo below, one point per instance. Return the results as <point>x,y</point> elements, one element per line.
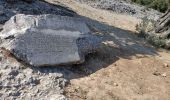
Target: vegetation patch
<point>160,5</point>
<point>146,30</point>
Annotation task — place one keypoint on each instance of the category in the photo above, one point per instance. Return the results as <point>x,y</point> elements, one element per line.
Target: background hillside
<point>160,5</point>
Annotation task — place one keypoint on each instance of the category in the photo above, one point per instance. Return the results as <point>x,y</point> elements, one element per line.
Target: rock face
<point>48,40</point>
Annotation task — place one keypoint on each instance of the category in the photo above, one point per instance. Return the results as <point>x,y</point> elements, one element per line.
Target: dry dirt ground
<point>125,68</point>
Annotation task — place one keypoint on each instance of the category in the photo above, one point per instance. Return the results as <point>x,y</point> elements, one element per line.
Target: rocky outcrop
<point>48,40</point>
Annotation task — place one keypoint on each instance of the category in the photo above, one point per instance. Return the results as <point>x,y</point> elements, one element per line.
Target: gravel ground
<point>123,6</point>
<point>19,81</point>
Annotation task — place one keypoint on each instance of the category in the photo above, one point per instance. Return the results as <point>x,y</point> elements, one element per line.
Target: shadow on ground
<point>36,8</point>
<point>116,43</point>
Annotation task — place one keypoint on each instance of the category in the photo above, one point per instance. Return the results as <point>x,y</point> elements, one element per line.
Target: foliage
<point>145,26</point>
<point>145,29</point>
<point>160,5</point>
<point>156,40</point>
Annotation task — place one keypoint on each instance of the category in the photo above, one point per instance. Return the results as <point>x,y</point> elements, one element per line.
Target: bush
<point>156,41</point>
<point>145,26</point>
<point>160,5</point>
<point>145,30</point>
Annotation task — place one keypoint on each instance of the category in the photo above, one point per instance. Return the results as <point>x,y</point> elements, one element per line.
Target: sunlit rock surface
<point>48,40</point>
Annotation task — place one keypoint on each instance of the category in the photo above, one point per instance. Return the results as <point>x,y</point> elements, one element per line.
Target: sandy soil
<point>125,68</point>
<point>113,19</point>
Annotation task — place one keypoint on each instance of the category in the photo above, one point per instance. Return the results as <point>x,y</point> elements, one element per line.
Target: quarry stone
<point>48,40</point>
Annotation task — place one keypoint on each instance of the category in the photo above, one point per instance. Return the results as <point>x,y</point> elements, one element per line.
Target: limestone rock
<point>58,97</point>
<point>48,40</point>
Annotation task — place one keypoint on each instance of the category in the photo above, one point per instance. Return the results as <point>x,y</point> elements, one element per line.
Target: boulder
<point>48,40</point>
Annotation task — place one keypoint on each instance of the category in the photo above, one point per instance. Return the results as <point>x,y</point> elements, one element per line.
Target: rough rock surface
<point>48,40</point>
<point>123,6</point>
<point>22,82</point>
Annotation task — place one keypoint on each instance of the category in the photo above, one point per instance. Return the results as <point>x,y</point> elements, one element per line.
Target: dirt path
<point>126,68</point>
<point>113,19</point>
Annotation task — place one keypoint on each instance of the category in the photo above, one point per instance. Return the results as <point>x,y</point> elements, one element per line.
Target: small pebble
<point>166,65</point>
<point>115,84</point>
<point>156,73</point>
<point>163,75</point>
<point>115,64</point>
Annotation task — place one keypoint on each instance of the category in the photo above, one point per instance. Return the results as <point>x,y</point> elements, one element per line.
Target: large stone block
<point>48,40</point>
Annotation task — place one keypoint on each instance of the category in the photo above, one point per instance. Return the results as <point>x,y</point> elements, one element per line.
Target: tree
<point>163,24</point>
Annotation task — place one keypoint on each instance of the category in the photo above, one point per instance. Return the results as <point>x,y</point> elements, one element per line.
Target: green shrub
<point>145,26</point>
<point>156,40</point>
<point>145,29</point>
<point>143,2</point>
<point>160,5</point>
